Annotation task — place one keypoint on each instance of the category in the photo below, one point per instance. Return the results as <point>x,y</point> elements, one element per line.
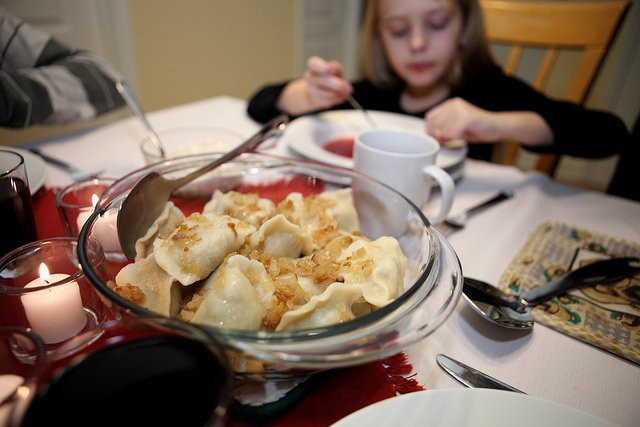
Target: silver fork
<point>458,222</point>
<point>76,173</point>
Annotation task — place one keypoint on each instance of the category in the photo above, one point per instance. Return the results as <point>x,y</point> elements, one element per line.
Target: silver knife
<point>471,377</point>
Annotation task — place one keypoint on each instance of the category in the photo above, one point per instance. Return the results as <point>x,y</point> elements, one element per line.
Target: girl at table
<point>431,59</point>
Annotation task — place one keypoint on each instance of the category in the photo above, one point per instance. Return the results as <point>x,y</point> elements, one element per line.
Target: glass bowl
<point>432,281</point>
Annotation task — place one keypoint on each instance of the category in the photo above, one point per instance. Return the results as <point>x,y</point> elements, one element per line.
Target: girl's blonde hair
<point>474,49</point>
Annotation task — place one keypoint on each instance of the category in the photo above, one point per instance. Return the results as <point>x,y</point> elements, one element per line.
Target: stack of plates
<point>308,137</point>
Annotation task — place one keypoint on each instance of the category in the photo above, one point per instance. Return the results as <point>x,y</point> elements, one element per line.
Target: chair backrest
<point>587,27</point>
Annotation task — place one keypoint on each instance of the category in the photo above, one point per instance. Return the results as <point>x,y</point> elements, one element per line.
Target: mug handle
<point>447,189</point>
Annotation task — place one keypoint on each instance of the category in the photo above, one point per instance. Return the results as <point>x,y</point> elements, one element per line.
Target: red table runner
<point>334,395</point>
<point>48,221</point>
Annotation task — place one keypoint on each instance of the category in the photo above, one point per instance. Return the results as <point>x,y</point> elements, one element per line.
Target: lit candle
<point>106,231</point>
<point>55,313</point>
<point>105,228</point>
<point>85,213</point>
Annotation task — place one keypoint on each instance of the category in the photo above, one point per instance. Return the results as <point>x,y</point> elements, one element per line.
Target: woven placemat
<point>607,316</point>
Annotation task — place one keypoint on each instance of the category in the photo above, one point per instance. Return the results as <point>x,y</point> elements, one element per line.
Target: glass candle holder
<point>15,372</point>
<point>77,202</point>
<point>43,289</point>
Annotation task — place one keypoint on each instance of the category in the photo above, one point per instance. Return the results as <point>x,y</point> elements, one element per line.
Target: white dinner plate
<point>307,135</point>
<point>469,408</point>
<point>36,168</point>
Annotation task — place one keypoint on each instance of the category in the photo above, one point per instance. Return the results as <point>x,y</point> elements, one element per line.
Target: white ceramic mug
<point>406,162</point>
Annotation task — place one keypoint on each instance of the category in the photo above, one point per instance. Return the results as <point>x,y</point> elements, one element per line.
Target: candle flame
<point>44,273</point>
<point>94,200</point>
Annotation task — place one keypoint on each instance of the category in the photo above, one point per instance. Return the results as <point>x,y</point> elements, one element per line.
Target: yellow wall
<point>195,49</point>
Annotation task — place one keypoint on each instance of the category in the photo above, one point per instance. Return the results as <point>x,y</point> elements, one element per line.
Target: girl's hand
<point>458,119</point>
<point>321,87</point>
<point>325,84</point>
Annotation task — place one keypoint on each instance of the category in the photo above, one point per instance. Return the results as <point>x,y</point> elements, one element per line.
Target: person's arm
<point>263,105</point>
<point>575,130</point>
<point>322,87</point>
<point>43,81</point>
<point>457,118</point>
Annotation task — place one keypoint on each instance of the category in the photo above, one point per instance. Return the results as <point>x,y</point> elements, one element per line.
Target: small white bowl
<point>186,141</point>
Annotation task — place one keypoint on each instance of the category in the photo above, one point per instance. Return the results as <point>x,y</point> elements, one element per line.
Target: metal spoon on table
<point>514,311</point>
<point>148,197</point>
<point>77,174</point>
<point>132,101</point>
<point>459,221</point>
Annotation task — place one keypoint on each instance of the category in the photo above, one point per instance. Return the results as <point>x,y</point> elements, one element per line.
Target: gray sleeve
<point>43,81</point>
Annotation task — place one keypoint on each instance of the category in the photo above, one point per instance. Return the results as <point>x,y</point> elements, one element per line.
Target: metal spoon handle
<point>271,128</point>
<point>61,164</point>
<point>599,272</point>
<point>132,101</point>
<point>480,291</point>
<point>503,195</point>
<point>356,106</point>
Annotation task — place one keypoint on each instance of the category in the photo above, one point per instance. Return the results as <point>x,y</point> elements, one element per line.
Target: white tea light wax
<point>85,213</point>
<point>55,313</point>
<point>105,230</point>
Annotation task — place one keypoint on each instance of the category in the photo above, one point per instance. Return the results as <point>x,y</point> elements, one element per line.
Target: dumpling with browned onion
<point>278,237</point>
<point>249,208</point>
<point>377,267</point>
<point>198,245</point>
<point>234,297</point>
<point>149,286</point>
<point>168,220</point>
<point>339,303</point>
<point>342,209</point>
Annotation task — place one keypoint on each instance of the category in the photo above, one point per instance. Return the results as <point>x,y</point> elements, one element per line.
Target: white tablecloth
<point>544,363</point>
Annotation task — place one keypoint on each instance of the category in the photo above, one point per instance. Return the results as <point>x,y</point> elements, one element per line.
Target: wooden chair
<point>584,26</point>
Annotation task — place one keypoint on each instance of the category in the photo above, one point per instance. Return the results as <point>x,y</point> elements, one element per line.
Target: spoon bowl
<point>515,311</point>
<point>496,306</point>
<point>148,197</point>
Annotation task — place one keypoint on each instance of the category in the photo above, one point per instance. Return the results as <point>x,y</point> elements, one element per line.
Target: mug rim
<point>432,151</point>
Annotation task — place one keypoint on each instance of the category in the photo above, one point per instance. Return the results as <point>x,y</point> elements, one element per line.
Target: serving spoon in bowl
<point>148,197</point>
<point>514,311</point>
